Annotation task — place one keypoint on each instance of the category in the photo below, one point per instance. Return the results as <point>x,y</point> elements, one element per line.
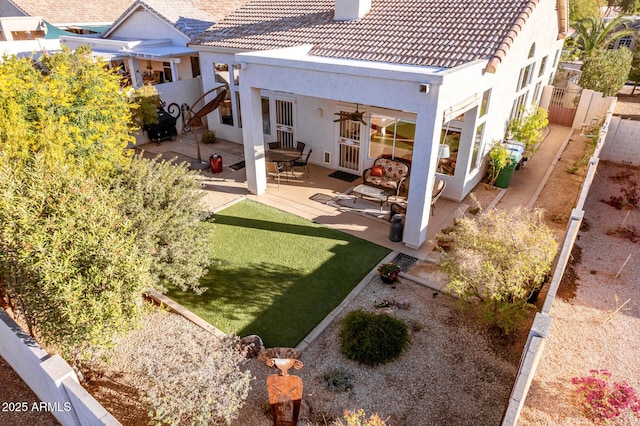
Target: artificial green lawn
<point>277,275</point>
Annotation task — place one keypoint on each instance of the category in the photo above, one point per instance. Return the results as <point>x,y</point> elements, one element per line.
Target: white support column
<point>135,73</point>
<point>174,69</point>
<point>251,105</point>
<point>425,158</point>
<point>465,147</point>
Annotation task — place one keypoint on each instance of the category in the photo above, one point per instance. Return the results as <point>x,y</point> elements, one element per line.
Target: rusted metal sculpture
<point>285,391</point>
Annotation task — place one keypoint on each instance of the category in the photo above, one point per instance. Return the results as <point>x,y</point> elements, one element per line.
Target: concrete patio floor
<point>307,196</point>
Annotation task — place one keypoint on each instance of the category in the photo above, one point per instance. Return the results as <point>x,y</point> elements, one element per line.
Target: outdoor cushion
<point>377,171</point>
<point>395,172</point>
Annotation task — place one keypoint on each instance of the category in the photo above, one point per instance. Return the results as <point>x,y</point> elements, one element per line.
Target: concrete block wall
<point>622,144</point>
<point>50,378</point>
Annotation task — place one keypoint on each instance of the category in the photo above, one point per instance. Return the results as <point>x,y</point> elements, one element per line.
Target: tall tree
<point>497,260</point>
<point>83,229</point>
<point>606,70</point>
<point>595,33</point>
<point>67,107</point>
<point>634,74</point>
<point>581,9</point>
<point>68,257</point>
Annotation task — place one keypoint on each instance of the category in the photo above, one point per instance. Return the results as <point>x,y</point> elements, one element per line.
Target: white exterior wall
<point>50,378</point>
<point>207,61</point>
<point>181,92</point>
<point>144,25</point>
<point>542,30</point>
<point>325,83</point>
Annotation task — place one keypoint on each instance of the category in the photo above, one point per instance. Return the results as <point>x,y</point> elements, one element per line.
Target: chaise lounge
<point>387,173</point>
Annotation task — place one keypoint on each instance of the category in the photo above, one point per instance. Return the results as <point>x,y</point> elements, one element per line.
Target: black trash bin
<point>397,228</point>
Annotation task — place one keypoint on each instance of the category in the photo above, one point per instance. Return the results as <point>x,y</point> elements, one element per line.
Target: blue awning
<point>55,32</point>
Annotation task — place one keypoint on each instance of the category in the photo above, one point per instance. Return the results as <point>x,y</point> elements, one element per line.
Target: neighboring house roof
<point>73,11</point>
<point>439,33</point>
<point>191,17</point>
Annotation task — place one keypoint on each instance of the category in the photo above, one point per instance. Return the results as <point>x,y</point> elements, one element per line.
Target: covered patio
<point>317,197</point>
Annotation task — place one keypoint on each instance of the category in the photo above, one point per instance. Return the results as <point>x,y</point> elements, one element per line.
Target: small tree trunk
<point>5,300</point>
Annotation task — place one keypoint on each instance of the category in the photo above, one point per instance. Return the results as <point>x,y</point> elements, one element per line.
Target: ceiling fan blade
<point>363,122</point>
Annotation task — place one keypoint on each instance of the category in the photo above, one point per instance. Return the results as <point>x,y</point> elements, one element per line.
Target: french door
<point>285,122</point>
<point>349,145</point>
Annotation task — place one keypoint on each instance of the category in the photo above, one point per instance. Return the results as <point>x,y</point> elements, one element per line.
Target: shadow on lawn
<point>278,302</point>
<point>290,228</point>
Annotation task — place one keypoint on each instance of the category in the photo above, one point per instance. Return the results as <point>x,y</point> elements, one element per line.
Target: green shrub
<point>498,160</point>
<point>209,137</point>
<point>372,339</point>
<point>499,259</point>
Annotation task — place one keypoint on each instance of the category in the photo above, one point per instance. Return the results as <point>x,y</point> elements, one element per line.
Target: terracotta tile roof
<point>73,11</point>
<point>440,33</point>
<point>191,17</point>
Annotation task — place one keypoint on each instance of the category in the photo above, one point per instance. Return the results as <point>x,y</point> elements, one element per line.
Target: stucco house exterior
<point>424,72</point>
<point>148,41</point>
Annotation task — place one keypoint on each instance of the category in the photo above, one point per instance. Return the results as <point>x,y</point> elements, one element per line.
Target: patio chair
<point>274,170</point>
<point>302,163</point>
<point>274,145</point>
<point>395,209</point>
<point>438,189</point>
<point>300,146</point>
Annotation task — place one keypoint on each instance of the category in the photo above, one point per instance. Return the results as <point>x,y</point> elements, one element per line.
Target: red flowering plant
<point>601,399</point>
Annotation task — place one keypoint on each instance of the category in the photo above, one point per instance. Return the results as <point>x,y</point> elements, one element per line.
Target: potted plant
<point>498,160</point>
<point>388,272</point>
<point>209,137</point>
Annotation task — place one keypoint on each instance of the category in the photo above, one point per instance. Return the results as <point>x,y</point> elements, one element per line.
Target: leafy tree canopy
<point>498,259</point>
<point>581,9</point>
<point>69,257</point>
<point>596,33</point>
<point>606,71</point>
<point>163,201</point>
<point>67,107</point>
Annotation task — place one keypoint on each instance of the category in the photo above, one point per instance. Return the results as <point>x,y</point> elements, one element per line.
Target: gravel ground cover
<point>454,371</point>
<point>588,331</point>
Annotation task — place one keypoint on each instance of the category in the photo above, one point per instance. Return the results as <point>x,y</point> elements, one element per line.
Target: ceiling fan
<point>355,116</point>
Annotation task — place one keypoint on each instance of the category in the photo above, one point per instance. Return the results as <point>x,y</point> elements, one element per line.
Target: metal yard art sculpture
<point>285,390</point>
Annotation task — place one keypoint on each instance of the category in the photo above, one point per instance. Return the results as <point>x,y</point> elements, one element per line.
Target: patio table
<point>283,155</point>
<point>371,192</point>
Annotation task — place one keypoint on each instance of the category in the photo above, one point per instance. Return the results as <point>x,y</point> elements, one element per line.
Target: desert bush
<point>498,160</point>
<point>194,380</point>
<point>338,379</point>
<point>68,259</point>
<point>499,259</point>
<point>602,400</point>
<point>144,105</point>
<point>628,232</point>
<point>629,198</point>
<point>164,203</point>
<point>372,339</point>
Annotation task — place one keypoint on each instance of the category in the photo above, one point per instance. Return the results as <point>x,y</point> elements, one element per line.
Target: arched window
<point>532,51</point>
